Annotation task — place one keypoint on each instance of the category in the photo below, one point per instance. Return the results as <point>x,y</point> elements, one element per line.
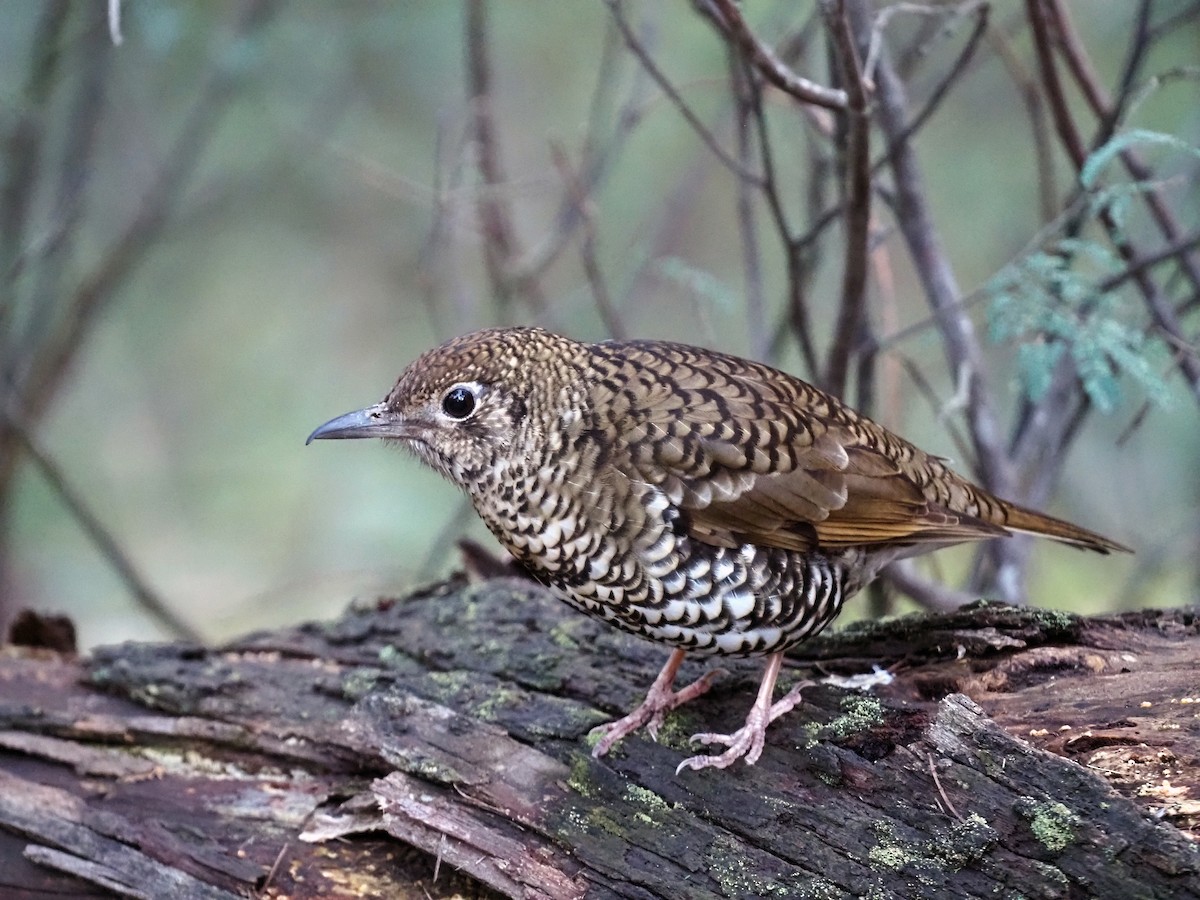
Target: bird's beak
<point>373,422</point>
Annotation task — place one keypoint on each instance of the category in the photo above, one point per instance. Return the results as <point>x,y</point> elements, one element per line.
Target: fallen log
<point>436,745</point>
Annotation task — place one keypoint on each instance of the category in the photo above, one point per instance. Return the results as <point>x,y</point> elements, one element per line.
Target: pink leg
<point>748,740</point>
<point>660,700</point>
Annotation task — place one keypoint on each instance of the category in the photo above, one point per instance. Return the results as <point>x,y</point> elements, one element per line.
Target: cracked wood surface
<point>435,746</point>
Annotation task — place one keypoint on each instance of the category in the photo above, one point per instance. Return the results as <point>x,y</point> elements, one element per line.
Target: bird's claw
<point>748,741</point>
<point>651,713</point>
<point>745,743</point>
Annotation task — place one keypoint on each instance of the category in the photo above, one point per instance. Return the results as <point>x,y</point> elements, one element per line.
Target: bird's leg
<point>748,740</point>
<point>660,700</point>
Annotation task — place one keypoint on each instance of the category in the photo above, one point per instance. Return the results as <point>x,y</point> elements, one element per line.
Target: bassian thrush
<point>690,497</point>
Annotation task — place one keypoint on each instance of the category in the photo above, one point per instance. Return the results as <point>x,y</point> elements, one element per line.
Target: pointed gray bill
<point>373,422</point>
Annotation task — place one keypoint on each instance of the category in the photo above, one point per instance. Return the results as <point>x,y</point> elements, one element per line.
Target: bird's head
<point>467,407</point>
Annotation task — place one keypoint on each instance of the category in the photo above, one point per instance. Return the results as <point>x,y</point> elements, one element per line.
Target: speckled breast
<point>742,601</point>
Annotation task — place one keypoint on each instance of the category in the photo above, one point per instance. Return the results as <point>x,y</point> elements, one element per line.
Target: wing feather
<point>752,455</point>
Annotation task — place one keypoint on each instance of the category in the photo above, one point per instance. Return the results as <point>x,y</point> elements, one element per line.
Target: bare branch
<point>902,575</point>
<point>1032,98</point>
<point>672,93</point>
<point>99,535</point>
<point>1165,317</point>
<point>577,191</point>
<point>915,221</point>
<point>796,305</point>
<point>1175,251</point>
<point>941,409</point>
<point>803,243</point>
<point>598,157</point>
<point>165,188</point>
<point>1138,47</point>
<point>889,371</point>
<point>956,70</point>
<point>1174,21</point>
<point>744,88</point>
<point>23,151</point>
<point>1110,113</point>
<point>70,193</point>
<point>772,67</point>
<point>500,244</point>
<point>1064,124</point>
<point>856,163</point>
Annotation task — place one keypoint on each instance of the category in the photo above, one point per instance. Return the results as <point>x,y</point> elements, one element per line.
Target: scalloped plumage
<point>700,500</point>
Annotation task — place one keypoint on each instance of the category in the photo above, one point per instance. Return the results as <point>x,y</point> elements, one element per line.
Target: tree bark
<point>436,745</point>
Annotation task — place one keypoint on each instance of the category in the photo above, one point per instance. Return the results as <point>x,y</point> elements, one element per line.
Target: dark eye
<point>458,403</point>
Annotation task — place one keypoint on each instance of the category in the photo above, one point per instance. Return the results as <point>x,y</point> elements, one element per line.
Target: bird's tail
<point>1030,522</point>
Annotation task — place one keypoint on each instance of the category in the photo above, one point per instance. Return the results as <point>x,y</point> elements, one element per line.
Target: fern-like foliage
<point>1053,303</point>
<point>1048,303</point>
<point>699,282</point>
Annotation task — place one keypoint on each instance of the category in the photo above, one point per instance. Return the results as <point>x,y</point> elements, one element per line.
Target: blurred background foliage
<point>308,178</point>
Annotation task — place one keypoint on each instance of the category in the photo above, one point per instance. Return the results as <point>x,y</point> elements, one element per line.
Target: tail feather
<point>1029,522</point>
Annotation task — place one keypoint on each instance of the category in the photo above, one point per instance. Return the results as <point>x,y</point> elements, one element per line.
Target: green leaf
<point>699,282</point>
<point>1035,366</point>
<point>1089,175</point>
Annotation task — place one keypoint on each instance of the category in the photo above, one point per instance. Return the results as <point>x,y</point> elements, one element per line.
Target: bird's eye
<point>458,403</point>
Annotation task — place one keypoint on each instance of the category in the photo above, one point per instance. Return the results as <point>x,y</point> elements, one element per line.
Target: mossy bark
<point>445,733</point>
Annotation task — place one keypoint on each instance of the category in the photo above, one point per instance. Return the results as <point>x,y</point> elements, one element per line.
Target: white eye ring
<point>461,400</point>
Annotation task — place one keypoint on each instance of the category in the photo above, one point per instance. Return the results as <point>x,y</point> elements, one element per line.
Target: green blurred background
<point>328,234</point>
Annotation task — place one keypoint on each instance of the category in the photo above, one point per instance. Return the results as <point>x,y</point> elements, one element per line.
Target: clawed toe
<point>748,741</point>
<point>745,743</point>
<point>660,700</point>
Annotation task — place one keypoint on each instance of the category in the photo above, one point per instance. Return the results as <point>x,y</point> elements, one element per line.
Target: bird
<point>703,501</point>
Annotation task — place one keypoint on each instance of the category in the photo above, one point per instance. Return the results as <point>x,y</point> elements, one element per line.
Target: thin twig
<point>26,131</point>
<point>744,88</point>
<point>1110,114</point>
<point>577,191</point>
<point>1174,251</point>
<point>672,93</point>
<point>1139,46</point>
<point>941,791</point>
<point>902,575</point>
<point>772,67</point>
<point>796,306</point>
<point>942,88</point>
<point>429,257</point>
<point>1064,124</point>
<point>803,242</point>
<point>940,408</point>
<point>99,535</point>
<point>129,249</point>
<point>889,368</point>
<point>1032,98</point>
<point>1174,21</point>
<point>500,244</point>
<point>915,220</point>
<point>71,193</point>
<point>884,17</point>
<point>598,158</point>
<point>856,164</point>
<point>264,889</point>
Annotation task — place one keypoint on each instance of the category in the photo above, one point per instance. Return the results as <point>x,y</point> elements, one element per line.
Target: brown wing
<point>870,500</point>
<point>754,455</point>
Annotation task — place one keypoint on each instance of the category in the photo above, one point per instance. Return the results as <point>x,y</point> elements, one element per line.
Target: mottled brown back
<point>756,455</point>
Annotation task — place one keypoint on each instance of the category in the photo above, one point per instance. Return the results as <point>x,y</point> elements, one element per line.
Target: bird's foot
<point>660,700</point>
<point>747,742</point>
